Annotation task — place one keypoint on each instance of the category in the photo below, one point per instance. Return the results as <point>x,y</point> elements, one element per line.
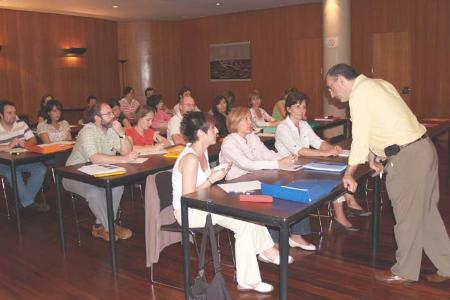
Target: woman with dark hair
<point>161,116</point>
<point>220,111</point>
<point>141,136</point>
<point>118,114</point>
<point>192,173</point>
<point>54,128</point>
<point>41,114</point>
<point>128,104</point>
<point>295,136</point>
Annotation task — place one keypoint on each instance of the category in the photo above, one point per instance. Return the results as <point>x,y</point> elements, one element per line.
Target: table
<point>14,160</point>
<point>280,213</point>
<point>320,126</point>
<point>135,173</point>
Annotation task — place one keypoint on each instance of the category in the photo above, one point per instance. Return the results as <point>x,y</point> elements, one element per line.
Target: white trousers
<point>251,239</point>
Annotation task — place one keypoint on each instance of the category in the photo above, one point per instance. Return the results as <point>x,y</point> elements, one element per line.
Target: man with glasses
<point>187,104</point>
<point>383,126</point>
<point>101,141</point>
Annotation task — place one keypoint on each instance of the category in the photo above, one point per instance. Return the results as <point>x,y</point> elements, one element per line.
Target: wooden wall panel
<point>428,24</point>
<point>153,50</point>
<point>273,34</point>
<point>31,61</point>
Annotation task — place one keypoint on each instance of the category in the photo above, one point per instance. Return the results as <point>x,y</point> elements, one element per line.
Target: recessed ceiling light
<point>217,3</point>
<point>115,6</point>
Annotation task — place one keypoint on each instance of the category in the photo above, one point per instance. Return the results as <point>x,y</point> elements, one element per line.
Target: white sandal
<point>262,287</point>
<point>275,261</point>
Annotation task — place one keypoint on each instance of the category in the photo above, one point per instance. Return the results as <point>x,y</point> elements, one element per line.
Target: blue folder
<point>303,191</point>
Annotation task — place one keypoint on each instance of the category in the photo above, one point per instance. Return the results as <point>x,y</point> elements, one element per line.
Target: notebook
<point>334,167</point>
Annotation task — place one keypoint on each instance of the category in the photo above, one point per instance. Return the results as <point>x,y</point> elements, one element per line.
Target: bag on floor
<point>216,289</point>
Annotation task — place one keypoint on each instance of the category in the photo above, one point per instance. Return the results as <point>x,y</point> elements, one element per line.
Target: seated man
<point>14,133</point>
<point>187,104</point>
<point>98,142</point>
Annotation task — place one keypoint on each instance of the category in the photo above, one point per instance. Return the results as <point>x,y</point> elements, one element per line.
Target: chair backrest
<point>163,182</point>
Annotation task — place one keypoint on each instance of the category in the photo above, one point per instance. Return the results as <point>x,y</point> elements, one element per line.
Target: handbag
<point>216,289</point>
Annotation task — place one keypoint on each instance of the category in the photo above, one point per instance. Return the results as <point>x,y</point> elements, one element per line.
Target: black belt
<point>424,136</point>
<point>394,149</point>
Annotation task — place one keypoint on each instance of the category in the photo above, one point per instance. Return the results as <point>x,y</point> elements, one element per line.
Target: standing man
<point>14,133</point>
<point>99,142</point>
<point>186,104</point>
<point>384,126</point>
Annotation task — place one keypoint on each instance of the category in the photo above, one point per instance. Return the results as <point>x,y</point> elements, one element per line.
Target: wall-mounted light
<point>74,52</point>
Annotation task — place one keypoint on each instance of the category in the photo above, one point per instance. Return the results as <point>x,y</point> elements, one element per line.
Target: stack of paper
<point>241,187</point>
<point>102,170</point>
<point>344,153</point>
<point>326,166</point>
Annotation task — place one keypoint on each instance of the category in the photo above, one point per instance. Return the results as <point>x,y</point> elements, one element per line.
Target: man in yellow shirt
<point>384,126</point>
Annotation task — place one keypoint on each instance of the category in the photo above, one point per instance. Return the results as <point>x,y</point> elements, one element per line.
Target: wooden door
<point>392,61</point>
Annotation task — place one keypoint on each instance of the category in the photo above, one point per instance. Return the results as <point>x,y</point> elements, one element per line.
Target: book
<point>102,170</point>
<point>334,167</point>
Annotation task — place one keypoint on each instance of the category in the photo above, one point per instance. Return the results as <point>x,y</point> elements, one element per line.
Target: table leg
<point>15,195</point>
<point>284,254</point>
<point>60,212</point>
<point>376,214</point>
<point>448,153</point>
<point>186,249</point>
<point>112,231</point>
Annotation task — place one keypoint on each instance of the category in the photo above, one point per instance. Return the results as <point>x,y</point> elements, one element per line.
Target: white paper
<point>98,169</point>
<point>345,153</point>
<point>138,160</point>
<point>241,187</point>
<point>152,152</point>
<point>18,150</point>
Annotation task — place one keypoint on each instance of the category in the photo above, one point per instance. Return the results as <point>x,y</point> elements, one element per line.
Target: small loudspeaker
<point>74,51</point>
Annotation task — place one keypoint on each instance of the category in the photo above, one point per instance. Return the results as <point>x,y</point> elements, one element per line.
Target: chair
<point>2,179</point>
<point>161,227</point>
<point>74,197</point>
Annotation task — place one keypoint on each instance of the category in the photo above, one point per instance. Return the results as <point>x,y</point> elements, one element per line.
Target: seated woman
<point>54,128</point>
<point>246,153</point>
<point>161,116</point>
<point>260,118</point>
<point>41,114</point>
<point>295,136</point>
<point>219,111</point>
<point>118,114</point>
<point>192,173</point>
<point>279,112</point>
<point>141,136</point>
<point>128,104</point>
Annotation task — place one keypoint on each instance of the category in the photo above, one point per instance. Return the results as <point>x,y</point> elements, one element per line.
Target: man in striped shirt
<point>14,133</point>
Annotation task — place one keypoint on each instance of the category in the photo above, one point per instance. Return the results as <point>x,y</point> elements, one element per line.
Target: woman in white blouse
<point>192,172</point>
<point>260,118</point>
<point>53,128</point>
<point>295,136</point>
<point>246,153</point>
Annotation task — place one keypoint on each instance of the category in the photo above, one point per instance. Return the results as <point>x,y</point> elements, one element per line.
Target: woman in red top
<point>142,136</point>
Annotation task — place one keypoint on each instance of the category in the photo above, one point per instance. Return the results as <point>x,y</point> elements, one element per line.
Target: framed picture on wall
<point>230,62</point>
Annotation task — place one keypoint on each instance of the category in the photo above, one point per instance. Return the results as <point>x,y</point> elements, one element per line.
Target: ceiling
<point>146,9</point>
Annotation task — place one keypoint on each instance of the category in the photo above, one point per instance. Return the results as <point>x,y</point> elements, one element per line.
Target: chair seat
<point>175,227</point>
